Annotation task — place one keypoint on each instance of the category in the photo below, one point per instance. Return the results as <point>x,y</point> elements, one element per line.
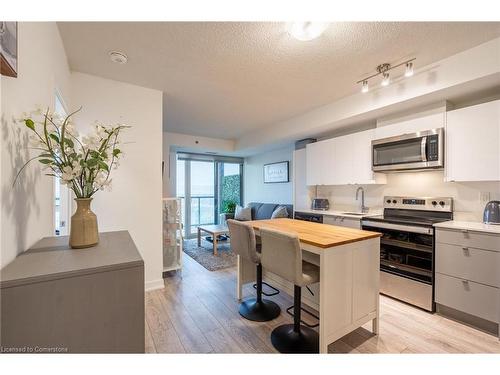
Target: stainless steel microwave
<point>421,150</point>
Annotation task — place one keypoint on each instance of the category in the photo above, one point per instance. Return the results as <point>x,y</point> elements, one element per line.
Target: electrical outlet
<point>484,196</point>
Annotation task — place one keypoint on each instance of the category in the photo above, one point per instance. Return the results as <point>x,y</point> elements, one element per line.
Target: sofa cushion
<point>279,212</point>
<point>264,211</point>
<point>243,214</point>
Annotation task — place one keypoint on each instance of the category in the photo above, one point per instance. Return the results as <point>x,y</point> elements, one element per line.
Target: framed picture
<point>8,48</point>
<point>276,172</point>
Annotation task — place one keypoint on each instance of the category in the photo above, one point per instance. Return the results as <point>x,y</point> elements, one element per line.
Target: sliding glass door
<point>207,187</point>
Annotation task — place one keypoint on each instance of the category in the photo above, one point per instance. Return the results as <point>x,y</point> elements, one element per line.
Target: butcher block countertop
<point>316,234</point>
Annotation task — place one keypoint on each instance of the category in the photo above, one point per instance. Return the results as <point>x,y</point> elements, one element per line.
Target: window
<point>206,185</point>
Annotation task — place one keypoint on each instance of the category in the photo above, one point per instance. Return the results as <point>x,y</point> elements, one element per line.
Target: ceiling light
<point>306,30</point>
<point>385,80</point>
<point>118,57</point>
<point>409,69</point>
<point>365,88</point>
<point>383,69</point>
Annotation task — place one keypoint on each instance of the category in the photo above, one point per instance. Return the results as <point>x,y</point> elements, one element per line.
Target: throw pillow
<point>243,214</point>
<point>279,212</point>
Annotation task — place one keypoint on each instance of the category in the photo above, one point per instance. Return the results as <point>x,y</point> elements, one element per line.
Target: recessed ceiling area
<point>225,79</point>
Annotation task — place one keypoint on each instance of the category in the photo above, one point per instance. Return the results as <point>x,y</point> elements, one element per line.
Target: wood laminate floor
<point>197,312</point>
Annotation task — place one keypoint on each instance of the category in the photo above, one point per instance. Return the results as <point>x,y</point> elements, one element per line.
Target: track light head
<point>409,69</point>
<point>386,80</point>
<point>364,87</point>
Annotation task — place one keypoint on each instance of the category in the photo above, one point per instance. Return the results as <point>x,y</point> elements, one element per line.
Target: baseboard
<point>153,285</point>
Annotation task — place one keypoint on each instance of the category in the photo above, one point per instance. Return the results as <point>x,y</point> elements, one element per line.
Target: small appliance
<point>320,204</point>
<point>414,151</point>
<point>492,213</point>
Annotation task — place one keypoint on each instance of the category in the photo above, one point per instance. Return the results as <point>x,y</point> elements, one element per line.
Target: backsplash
<point>466,195</point>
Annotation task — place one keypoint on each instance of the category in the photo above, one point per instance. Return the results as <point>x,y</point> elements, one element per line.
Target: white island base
<point>348,288</point>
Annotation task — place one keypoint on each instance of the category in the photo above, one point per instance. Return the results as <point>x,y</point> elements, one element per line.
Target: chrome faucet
<point>363,208</point>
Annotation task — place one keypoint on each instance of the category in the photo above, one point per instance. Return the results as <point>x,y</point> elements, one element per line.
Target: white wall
<point>135,201</point>
<point>468,205</point>
<point>255,190</point>
<point>173,141</point>
<point>27,209</point>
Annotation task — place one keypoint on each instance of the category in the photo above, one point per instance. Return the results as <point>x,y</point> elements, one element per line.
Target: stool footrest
<point>276,291</point>
<point>306,311</point>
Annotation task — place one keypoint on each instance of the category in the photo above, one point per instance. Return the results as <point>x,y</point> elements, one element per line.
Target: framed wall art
<point>276,172</point>
<point>8,48</point>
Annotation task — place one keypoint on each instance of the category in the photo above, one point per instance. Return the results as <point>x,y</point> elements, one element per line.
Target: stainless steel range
<point>407,246</point>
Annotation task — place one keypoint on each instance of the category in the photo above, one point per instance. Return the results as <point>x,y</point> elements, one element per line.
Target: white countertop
<point>338,213</point>
<point>469,225</point>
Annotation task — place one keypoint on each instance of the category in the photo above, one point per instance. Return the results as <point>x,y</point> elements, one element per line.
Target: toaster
<point>320,204</point>
<point>492,213</point>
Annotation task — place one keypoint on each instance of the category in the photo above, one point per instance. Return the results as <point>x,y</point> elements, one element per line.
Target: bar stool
<point>282,255</point>
<point>244,244</point>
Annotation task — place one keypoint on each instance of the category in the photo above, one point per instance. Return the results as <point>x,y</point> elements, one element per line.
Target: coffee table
<point>214,230</point>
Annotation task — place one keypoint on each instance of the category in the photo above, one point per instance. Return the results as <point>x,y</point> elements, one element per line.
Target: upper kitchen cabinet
<point>319,157</point>
<point>342,161</point>
<point>473,143</point>
<point>387,129</point>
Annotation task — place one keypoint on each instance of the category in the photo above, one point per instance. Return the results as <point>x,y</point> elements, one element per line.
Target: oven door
<point>406,263</point>
<point>409,151</point>
<point>408,253</point>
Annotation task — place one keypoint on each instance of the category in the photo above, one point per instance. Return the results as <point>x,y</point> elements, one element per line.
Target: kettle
<point>492,213</point>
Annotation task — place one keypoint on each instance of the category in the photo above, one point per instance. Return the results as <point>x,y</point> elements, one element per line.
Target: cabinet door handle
<point>466,250</point>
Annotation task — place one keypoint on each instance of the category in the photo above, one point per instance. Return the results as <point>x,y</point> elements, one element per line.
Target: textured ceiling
<point>224,79</point>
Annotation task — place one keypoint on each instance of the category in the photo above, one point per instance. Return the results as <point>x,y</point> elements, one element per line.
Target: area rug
<point>204,254</point>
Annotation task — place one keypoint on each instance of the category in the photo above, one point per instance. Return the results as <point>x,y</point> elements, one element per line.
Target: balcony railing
<point>202,210</point>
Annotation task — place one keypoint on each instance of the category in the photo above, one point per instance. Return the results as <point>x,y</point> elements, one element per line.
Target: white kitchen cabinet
<point>302,194</point>
<point>473,143</point>
<point>361,167</point>
<point>342,160</point>
<point>319,156</point>
<point>342,221</point>
<point>421,123</point>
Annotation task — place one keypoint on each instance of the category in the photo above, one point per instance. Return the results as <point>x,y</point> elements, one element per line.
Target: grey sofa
<point>260,211</point>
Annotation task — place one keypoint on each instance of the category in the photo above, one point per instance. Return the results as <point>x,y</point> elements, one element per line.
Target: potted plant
<point>84,164</point>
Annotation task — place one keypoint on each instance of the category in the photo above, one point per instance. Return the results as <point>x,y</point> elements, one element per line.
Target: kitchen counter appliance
<point>407,246</point>
<point>415,151</point>
<point>492,213</point>
<point>320,204</point>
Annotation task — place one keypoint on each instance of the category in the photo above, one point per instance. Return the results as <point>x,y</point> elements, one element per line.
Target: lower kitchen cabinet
<point>468,273</point>
<point>342,221</point>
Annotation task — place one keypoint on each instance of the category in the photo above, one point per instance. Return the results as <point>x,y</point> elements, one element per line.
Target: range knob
<point>394,201</point>
<point>434,203</point>
<point>388,201</point>
<point>441,203</point>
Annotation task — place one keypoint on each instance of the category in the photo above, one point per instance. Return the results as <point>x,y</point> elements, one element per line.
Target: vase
<point>83,232</point>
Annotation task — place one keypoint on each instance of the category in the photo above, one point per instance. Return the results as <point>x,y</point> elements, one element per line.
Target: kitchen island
<point>347,296</point>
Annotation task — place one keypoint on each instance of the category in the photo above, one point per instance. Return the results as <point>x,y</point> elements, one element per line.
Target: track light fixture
<point>383,69</point>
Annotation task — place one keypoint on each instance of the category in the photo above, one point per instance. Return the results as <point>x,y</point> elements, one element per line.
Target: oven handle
<point>423,148</point>
<point>404,228</point>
